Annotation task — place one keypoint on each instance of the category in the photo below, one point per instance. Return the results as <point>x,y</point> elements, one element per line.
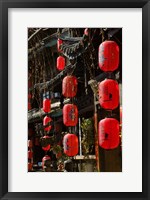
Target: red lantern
<point>30,166</point>
<point>108,56</point>
<point>58,155</point>
<point>60,63</point>
<point>30,144</point>
<point>109,133</point>
<point>30,154</point>
<point>29,106</point>
<point>46,105</point>
<point>69,86</point>
<point>70,143</point>
<point>47,120</point>
<point>45,158</point>
<point>59,43</point>
<point>46,148</point>
<point>70,115</point>
<point>109,94</point>
<point>86,32</point>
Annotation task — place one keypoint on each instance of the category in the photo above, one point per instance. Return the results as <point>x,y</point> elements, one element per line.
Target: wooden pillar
<point>110,160</point>
<point>96,135</point>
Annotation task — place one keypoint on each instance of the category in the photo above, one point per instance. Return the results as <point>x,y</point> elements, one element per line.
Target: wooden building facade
<point>80,49</point>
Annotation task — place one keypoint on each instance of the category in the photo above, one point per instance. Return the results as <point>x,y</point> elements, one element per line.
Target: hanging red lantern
<point>70,115</point>
<point>70,143</point>
<point>46,105</point>
<point>29,106</point>
<point>30,165</point>
<point>69,86</point>
<point>108,56</point>
<point>44,159</point>
<point>60,63</point>
<point>46,148</point>
<point>86,32</point>
<point>109,94</point>
<point>59,43</point>
<point>109,133</point>
<point>58,155</point>
<point>30,144</point>
<point>46,121</point>
<point>30,154</point>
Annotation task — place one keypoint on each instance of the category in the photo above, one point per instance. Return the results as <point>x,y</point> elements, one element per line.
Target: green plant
<point>87,127</point>
<point>56,149</point>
